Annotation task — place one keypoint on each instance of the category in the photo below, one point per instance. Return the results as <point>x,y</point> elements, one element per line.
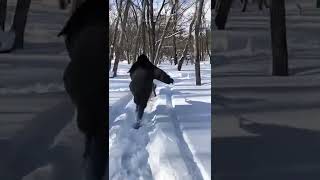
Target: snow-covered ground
<point>266,127</point>
<point>39,139</point>
<point>174,142</point>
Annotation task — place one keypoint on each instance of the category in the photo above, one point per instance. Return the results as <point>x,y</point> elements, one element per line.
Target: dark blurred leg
<point>97,158</point>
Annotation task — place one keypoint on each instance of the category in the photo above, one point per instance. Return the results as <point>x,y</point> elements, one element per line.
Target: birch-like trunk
<point>164,34</point>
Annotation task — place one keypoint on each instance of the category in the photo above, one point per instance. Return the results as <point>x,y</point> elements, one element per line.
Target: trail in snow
<point>130,149</point>
<point>128,156</point>
<point>166,146</point>
<point>193,169</point>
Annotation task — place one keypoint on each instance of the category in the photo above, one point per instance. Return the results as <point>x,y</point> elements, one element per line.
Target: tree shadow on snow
<point>277,152</point>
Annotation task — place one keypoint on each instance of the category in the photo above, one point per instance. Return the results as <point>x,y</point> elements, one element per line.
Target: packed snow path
<point>174,141</point>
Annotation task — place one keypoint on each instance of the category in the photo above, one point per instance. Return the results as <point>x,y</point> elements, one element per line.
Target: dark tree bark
<point>213,5</point>
<point>20,21</point>
<point>211,40</point>
<point>114,42</point>
<point>143,27</point>
<point>244,6</point>
<point>197,42</point>
<point>3,13</point>
<point>266,4</point>
<point>223,12</point>
<point>279,38</point>
<point>186,47</point>
<point>318,3</point>
<point>263,3</point>
<point>152,32</point>
<point>119,47</point>
<point>174,36</point>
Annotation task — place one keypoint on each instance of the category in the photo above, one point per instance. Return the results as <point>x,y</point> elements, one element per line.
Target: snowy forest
<point>165,30</point>
<point>12,33</point>
<point>265,115</point>
<point>39,136</point>
<point>172,139</point>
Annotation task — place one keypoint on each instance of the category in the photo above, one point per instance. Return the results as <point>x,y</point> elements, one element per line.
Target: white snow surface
<point>174,142</point>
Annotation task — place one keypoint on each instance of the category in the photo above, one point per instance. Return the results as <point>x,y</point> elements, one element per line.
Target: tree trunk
<point>20,21</point>
<point>260,4</point>
<point>164,34</point>
<point>208,39</point>
<point>3,13</point>
<point>318,3</point>
<point>174,53</point>
<point>143,26</point>
<point>185,50</point>
<point>136,38</point>
<point>279,38</point>
<point>211,39</point>
<point>136,45</point>
<point>266,4</point>
<point>244,5</point>
<point>114,40</point>
<point>152,34</point>
<point>118,49</point>
<point>223,12</point>
<point>174,36</point>
<point>197,42</point>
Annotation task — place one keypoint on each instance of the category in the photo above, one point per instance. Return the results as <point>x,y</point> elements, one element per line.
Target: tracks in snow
<point>156,151</point>
<point>186,154</point>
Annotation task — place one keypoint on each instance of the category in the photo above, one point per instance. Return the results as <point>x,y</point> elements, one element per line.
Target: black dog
<point>85,80</point>
<point>142,74</point>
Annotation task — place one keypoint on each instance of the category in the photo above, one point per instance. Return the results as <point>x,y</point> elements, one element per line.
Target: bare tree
<point>20,21</point>
<point>152,27</point>
<point>118,48</point>
<point>164,33</point>
<point>113,43</point>
<point>279,38</point>
<point>143,26</point>
<point>208,39</point>
<point>222,14</point>
<point>211,38</point>
<point>152,31</point>
<point>185,50</point>
<point>175,18</point>
<point>3,13</point>
<point>139,27</point>
<point>197,41</point>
